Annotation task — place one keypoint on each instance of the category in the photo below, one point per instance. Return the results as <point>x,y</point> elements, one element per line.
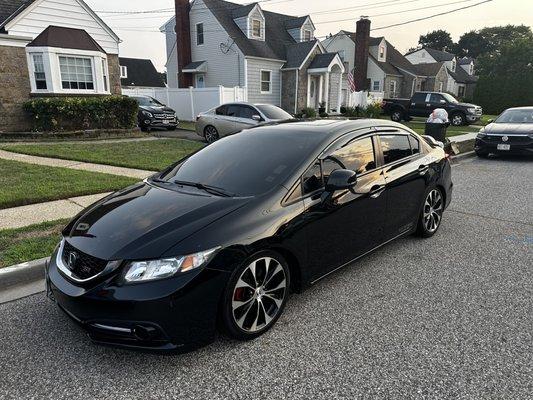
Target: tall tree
<point>506,77</point>
<point>487,40</point>
<point>438,40</point>
<point>471,44</point>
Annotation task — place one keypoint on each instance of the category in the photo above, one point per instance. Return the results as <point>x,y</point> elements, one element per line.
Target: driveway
<point>447,317</point>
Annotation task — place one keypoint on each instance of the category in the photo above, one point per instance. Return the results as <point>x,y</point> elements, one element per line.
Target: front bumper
<point>518,145</point>
<point>175,314</point>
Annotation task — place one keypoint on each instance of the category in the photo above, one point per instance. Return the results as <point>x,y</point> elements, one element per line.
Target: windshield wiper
<point>206,188</point>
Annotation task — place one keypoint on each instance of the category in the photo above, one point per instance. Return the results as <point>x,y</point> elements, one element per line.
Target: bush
<point>308,112</point>
<point>324,115</point>
<point>352,112</point>
<point>373,110</point>
<point>80,113</point>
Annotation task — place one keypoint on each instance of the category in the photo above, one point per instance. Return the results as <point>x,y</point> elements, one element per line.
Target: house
<point>461,79</point>
<point>275,57</point>
<point>379,67</point>
<point>139,73</point>
<point>53,48</point>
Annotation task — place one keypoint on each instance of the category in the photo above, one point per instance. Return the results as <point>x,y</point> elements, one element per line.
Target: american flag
<point>351,82</point>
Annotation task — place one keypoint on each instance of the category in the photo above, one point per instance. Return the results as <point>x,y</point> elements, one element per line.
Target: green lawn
<point>485,119</point>
<point>150,155</point>
<point>187,125</point>
<point>29,243</point>
<point>24,183</point>
<point>418,127</point>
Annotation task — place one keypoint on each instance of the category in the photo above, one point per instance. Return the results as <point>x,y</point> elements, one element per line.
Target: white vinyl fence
<point>363,99</point>
<point>188,103</point>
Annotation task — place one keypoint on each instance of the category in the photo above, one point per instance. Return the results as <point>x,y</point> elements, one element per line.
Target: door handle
<point>423,169</point>
<point>376,191</point>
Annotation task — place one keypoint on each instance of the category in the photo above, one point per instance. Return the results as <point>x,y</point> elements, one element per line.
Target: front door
<point>245,117</point>
<point>313,92</point>
<point>200,81</point>
<point>418,107</point>
<point>351,223</point>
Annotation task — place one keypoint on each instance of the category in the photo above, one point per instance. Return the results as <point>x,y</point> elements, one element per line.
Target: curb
<point>22,273</point>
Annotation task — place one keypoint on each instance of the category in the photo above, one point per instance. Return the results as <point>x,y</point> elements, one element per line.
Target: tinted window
<point>395,147</point>
<point>146,101</point>
<point>247,112</point>
<point>233,110</point>
<point>221,110</point>
<point>435,98</point>
<point>419,97</point>
<point>247,164</point>
<point>415,145</point>
<point>312,179</point>
<point>273,112</point>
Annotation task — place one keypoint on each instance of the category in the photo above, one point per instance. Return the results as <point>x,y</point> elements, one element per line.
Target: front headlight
<point>141,271</point>
<point>471,110</point>
<point>148,114</point>
<point>481,133</point>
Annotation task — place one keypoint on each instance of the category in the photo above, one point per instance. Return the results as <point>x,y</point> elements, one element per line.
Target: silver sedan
<point>234,117</point>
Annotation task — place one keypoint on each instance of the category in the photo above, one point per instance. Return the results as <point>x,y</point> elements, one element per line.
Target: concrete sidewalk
<point>19,217</point>
<point>78,165</point>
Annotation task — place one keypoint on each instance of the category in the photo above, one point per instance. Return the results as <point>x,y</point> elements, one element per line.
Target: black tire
<point>482,154</point>
<point>145,128</point>
<point>171,128</point>
<point>397,115</point>
<point>458,119</point>
<point>424,227</point>
<point>258,305</point>
<point>211,134</point>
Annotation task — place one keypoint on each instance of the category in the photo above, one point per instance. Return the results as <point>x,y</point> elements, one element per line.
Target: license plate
<point>504,147</point>
<point>166,121</point>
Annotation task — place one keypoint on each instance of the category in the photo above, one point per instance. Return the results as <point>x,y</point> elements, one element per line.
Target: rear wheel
<point>256,295</point>
<point>211,134</point>
<point>397,115</point>
<point>431,214</point>
<point>458,119</point>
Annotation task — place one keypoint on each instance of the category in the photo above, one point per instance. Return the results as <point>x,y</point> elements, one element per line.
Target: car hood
<point>157,109</point>
<point>509,129</point>
<point>143,221</point>
<point>467,105</point>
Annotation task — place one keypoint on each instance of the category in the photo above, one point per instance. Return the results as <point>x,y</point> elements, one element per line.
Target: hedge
<point>79,113</point>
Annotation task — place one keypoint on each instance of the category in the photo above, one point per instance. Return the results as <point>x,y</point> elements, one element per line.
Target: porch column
<point>326,89</point>
<point>340,94</point>
<point>320,89</point>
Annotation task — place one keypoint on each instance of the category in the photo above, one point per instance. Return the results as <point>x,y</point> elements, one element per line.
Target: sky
<point>141,37</point>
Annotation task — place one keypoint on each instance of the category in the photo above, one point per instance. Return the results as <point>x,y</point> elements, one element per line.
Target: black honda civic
<point>218,240</point>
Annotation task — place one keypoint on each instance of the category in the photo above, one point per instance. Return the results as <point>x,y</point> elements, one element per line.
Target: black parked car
<point>153,114</point>
<point>225,234</point>
<point>511,133</point>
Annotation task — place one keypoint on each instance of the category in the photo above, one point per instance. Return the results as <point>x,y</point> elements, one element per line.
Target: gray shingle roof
<point>295,22</point>
<point>66,38</point>
<point>430,69</point>
<point>461,76</point>
<point>375,41</point>
<point>141,72</point>
<point>242,11</point>
<point>10,9</point>
<point>386,67</point>
<point>297,52</point>
<point>322,60</point>
<point>194,65</point>
<point>398,60</point>
<point>465,60</point>
<point>440,55</point>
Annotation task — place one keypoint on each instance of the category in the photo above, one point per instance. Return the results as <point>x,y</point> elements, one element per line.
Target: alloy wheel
<point>259,294</point>
<point>457,120</point>
<point>433,208</point>
<point>211,134</point>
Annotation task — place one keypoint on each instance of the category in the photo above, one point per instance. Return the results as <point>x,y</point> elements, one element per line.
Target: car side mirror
<point>257,118</point>
<point>341,179</point>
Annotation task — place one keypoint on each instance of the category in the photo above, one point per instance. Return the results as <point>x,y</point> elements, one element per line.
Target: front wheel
<point>397,116</point>
<point>431,214</point>
<point>458,119</point>
<point>256,295</point>
<point>211,134</point>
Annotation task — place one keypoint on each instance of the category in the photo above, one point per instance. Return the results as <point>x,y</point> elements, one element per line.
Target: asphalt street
<point>446,317</point>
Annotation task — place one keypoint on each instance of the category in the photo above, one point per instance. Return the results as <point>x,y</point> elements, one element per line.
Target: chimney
<point>183,42</point>
<point>362,43</point>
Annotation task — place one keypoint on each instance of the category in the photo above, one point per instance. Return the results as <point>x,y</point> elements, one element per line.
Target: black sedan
<point>510,133</point>
<point>220,238</point>
<point>154,114</point>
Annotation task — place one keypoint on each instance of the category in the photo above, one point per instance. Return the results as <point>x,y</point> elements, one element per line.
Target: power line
<point>418,8</point>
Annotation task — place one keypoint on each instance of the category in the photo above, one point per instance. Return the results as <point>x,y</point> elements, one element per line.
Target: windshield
<point>146,101</point>
<point>524,116</point>
<point>449,98</point>
<point>247,164</point>
<point>273,112</point>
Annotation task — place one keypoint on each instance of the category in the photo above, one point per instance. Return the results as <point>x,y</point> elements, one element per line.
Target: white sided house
<point>274,57</point>
<point>53,48</point>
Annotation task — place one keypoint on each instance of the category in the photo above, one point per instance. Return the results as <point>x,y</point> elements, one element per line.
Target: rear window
<point>419,97</point>
<point>395,147</point>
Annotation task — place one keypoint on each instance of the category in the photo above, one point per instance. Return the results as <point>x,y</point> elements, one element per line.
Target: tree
<point>438,40</point>
<point>471,44</point>
<point>487,40</point>
<point>506,77</point>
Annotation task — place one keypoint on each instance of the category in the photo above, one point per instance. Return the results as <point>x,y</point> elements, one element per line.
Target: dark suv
<point>153,114</point>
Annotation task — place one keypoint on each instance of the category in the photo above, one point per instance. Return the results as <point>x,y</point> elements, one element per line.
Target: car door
<point>405,170</point>
<point>418,106</point>
<point>245,116</point>
<point>224,121</point>
<point>351,222</point>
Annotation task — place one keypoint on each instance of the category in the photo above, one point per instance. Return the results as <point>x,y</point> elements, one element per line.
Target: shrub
<point>352,112</point>
<point>308,112</point>
<point>373,110</point>
<point>323,114</point>
<point>80,113</point>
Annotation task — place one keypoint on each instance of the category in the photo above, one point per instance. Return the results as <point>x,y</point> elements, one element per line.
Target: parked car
<point>223,235</point>
<point>154,114</point>
<point>422,104</point>
<point>510,133</point>
<point>234,117</point>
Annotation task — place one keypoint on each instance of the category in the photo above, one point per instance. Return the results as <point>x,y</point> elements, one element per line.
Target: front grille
<point>82,266</point>
<point>164,116</point>
<point>510,139</point>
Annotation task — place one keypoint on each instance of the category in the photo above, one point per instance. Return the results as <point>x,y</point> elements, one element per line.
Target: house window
<point>461,91</point>
<point>392,88</point>
<point>200,80</point>
<point>471,69</point>
<point>376,86</point>
<point>123,72</point>
<point>453,65</point>
<point>381,52</point>
<point>199,34</point>
<point>76,73</point>
<point>307,35</point>
<point>256,28</point>
<point>441,86</point>
<point>266,81</point>
<point>38,72</point>
<point>105,74</point>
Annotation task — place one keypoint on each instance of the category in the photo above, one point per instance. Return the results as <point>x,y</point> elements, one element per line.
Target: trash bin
<point>436,131</point>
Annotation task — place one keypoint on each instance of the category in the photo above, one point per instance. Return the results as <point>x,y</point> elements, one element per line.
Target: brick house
<point>52,48</point>
<point>275,57</point>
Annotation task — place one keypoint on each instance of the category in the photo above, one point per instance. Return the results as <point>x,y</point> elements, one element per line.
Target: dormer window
<point>454,64</point>
<point>381,53</point>
<point>257,28</point>
<point>307,35</point>
<point>471,69</point>
<point>199,34</point>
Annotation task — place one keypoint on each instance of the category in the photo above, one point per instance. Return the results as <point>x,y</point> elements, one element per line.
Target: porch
<point>324,82</point>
